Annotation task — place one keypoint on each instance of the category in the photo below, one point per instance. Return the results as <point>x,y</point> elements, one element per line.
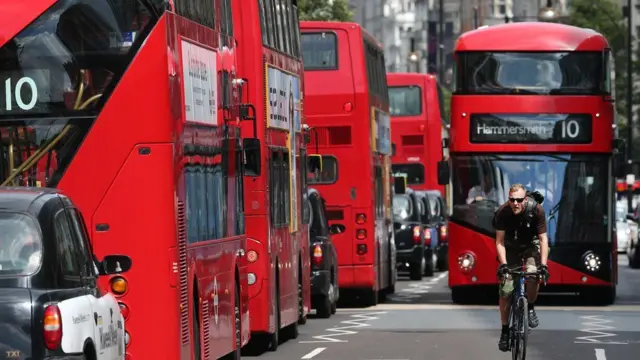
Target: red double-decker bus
<point>416,106</point>
<point>122,105</point>
<point>278,251</point>
<point>532,105</point>
<point>347,105</point>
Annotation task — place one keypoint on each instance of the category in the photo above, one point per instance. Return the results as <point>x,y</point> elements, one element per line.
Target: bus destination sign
<point>531,128</point>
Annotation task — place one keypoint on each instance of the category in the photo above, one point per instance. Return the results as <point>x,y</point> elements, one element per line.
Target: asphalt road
<point>420,322</point>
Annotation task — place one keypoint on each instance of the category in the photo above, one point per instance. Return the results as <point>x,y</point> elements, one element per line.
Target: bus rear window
<point>319,51</point>
<point>20,245</point>
<point>405,100</point>
<point>329,173</point>
<point>413,172</point>
<point>530,73</point>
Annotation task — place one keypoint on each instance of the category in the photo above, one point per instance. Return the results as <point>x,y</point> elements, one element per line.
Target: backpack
<point>535,198</point>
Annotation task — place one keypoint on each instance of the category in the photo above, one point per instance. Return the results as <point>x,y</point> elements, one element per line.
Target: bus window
<point>414,172</point>
<point>319,51</point>
<point>329,173</point>
<point>405,100</point>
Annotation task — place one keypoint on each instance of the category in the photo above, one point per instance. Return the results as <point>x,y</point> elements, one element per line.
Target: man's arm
<point>502,251</point>
<point>541,227</point>
<point>500,228</point>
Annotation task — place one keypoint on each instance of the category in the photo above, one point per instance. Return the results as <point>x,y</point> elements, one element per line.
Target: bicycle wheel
<point>523,329</point>
<point>514,338</point>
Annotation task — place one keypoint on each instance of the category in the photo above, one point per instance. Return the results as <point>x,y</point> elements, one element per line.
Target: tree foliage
<point>324,10</point>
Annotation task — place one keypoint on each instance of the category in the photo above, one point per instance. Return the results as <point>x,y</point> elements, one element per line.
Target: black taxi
<point>48,282</point>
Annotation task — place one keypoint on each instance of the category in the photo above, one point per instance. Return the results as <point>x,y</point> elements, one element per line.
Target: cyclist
<point>521,234</point>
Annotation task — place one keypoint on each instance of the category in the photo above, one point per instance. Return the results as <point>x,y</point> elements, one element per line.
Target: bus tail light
<point>119,285</point>
<point>416,235</point>
<point>52,327</point>
<point>252,256</point>
<point>427,237</point>
<point>443,233</point>
<point>127,338</point>
<point>317,255</point>
<point>361,234</point>
<point>124,310</point>
<point>361,249</point>
<point>348,107</point>
<point>466,261</point>
<point>361,218</point>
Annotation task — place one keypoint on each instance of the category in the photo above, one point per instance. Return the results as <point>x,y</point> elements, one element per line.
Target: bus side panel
<point>137,228</point>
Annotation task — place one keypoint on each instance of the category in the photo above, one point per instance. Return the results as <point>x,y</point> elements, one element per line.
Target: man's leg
<point>505,292</point>
<point>532,286</point>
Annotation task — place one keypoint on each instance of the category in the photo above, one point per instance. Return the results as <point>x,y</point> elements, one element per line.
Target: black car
<point>438,209</point>
<point>430,232</point>
<point>324,258</point>
<point>408,214</point>
<point>48,277</point>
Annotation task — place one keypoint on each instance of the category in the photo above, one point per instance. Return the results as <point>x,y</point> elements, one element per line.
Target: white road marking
<point>596,326</point>
<point>358,321</point>
<point>600,354</point>
<point>317,351</point>
<point>384,307</point>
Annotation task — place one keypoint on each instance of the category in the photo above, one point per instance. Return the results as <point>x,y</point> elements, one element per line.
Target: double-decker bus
<point>269,60</point>
<point>122,105</point>
<point>416,105</point>
<point>347,105</point>
<point>532,105</point>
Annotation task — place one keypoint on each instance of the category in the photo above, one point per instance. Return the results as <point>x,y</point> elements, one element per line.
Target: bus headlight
<point>591,261</point>
<point>466,262</point>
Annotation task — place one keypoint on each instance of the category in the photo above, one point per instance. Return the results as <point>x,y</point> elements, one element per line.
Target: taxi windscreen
<point>20,245</point>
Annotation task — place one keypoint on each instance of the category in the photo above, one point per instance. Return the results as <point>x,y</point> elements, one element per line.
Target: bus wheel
<point>302,319</point>
<point>599,296</point>
<point>275,337</point>
<point>236,354</point>
<point>416,270</point>
<point>460,295</point>
<point>196,327</point>
<point>370,297</point>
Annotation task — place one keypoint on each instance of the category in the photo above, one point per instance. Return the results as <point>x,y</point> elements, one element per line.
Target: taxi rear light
<point>361,234</point>
<point>52,327</point>
<point>119,285</point>
<point>317,255</point>
<point>443,233</point>
<point>427,236</point>
<point>124,310</point>
<point>416,235</point>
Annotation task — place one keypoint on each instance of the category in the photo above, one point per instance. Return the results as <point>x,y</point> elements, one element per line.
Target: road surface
<point>420,322</point>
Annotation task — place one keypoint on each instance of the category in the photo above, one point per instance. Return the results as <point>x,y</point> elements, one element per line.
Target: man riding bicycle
<point>521,234</point>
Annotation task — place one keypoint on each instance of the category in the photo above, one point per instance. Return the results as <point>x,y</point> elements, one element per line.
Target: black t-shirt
<point>518,231</point>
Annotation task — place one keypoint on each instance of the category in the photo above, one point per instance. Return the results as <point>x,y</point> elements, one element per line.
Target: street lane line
<point>600,354</point>
<point>317,351</point>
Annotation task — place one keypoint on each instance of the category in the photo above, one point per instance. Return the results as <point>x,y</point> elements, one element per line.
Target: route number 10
<point>14,95</point>
<point>570,129</point>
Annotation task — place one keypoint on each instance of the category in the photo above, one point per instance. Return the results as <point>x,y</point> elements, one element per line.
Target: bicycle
<point>519,313</point>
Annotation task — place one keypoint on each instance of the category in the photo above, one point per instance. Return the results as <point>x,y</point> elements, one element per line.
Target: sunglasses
<point>516,200</point>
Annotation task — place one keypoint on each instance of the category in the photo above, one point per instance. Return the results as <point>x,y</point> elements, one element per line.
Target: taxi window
<point>67,249</point>
<point>83,241</point>
<point>20,245</point>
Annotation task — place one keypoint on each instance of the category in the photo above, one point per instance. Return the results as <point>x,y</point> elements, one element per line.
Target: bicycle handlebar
<point>525,274</point>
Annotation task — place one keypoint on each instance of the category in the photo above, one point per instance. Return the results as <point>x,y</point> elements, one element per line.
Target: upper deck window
<point>319,51</point>
<point>20,245</point>
<point>279,26</point>
<point>405,100</point>
<point>530,73</point>
<point>66,59</point>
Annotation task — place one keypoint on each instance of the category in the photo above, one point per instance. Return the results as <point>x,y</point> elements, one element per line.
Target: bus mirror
<point>443,173</point>
<point>393,149</point>
<point>251,148</point>
<point>445,143</point>
<point>400,184</point>
<point>315,163</point>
